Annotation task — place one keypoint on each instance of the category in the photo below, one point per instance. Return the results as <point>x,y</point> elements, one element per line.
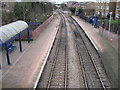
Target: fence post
<point>20,44</point>
<point>110,20</point>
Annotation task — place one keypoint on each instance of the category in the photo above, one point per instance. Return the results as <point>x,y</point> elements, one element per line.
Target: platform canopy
<point>10,30</point>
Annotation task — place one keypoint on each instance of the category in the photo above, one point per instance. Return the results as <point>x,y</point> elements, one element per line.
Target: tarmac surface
<point>26,65</point>
<point>106,44</point>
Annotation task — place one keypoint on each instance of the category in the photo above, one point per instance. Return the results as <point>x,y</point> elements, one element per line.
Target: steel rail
<point>66,59</point>
<point>92,60</point>
<point>55,60</point>
<point>81,61</point>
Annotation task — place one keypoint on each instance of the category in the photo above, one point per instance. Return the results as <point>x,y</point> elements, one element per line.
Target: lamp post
<point>110,25</point>
<point>110,20</point>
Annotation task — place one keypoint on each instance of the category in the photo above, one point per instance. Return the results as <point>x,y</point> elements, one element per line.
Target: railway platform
<point>107,46</point>
<point>25,66</point>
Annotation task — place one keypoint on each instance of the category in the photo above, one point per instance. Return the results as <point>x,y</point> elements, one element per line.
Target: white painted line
<point>91,40</point>
<point>40,73</point>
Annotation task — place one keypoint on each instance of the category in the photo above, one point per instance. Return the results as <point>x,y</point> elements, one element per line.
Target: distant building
<point>81,5</point>
<point>117,16</point>
<point>71,3</point>
<point>90,8</point>
<point>87,7</point>
<point>104,7</point>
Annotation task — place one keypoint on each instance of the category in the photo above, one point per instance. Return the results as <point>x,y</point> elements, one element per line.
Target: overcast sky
<point>60,1</point>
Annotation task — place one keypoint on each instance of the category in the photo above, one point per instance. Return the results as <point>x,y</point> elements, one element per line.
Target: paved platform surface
<point>26,65</point>
<point>107,45</point>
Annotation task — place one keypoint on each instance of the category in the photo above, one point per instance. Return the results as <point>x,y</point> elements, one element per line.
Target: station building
<point>87,7</point>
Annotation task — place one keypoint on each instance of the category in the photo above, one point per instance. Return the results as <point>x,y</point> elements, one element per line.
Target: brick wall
<point>35,33</point>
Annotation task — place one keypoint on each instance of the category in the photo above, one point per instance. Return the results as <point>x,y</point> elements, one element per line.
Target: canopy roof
<point>10,30</point>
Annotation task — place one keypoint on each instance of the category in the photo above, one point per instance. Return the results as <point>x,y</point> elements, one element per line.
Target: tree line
<point>27,11</point>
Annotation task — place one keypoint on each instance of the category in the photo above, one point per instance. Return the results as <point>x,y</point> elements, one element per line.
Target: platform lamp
<point>110,20</point>
<point>110,24</point>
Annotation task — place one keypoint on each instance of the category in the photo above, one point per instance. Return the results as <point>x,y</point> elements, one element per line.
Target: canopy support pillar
<point>28,34</point>
<point>20,44</point>
<point>7,54</point>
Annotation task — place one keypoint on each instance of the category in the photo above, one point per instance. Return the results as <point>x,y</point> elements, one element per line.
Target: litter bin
<point>93,20</point>
<point>77,13</point>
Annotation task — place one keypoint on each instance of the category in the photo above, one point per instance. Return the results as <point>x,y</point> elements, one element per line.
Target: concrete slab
<point>26,65</point>
<point>106,49</point>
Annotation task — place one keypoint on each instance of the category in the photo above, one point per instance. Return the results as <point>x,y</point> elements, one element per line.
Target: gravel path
<point>75,77</point>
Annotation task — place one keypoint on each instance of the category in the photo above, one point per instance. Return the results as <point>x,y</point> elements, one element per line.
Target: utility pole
<point>110,25</point>
<point>110,20</point>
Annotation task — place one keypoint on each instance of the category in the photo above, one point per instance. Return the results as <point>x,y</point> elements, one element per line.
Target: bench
<point>11,47</point>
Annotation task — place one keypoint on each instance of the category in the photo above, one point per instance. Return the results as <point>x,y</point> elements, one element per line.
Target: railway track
<point>92,69</point>
<point>56,75</point>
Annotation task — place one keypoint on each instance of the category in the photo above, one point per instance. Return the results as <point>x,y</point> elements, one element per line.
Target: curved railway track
<point>55,73</point>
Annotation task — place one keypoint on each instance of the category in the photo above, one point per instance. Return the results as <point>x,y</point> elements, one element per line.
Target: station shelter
<point>10,32</point>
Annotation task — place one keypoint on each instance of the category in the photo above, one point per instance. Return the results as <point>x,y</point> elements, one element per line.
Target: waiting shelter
<point>9,32</point>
